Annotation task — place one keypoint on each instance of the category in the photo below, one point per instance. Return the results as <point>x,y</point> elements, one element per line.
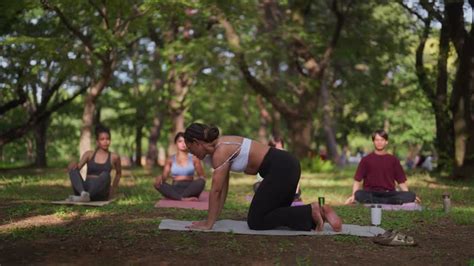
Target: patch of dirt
<point>32,221</point>
<point>440,244</point>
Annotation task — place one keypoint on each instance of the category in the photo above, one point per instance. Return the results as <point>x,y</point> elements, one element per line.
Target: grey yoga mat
<point>88,203</point>
<point>241,227</point>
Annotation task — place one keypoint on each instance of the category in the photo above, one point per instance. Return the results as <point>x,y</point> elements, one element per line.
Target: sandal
<point>394,238</point>
<point>387,234</point>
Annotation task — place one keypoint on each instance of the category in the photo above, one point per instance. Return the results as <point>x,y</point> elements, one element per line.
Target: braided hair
<point>198,131</point>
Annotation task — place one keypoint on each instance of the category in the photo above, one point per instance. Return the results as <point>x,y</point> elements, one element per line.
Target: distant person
<point>357,158</point>
<point>182,166</point>
<point>323,154</point>
<point>277,143</point>
<point>100,162</point>
<point>378,172</point>
<point>428,163</point>
<point>425,162</point>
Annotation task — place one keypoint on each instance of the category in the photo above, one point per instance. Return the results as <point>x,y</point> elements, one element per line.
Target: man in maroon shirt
<point>378,172</point>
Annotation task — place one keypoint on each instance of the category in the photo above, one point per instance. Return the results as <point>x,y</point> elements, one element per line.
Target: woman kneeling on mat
<point>182,166</point>
<point>271,204</point>
<point>100,162</point>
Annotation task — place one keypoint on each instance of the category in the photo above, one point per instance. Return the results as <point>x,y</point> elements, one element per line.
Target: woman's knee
<point>158,187</point>
<point>74,172</point>
<point>409,196</point>
<point>360,194</point>
<point>199,184</point>
<point>254,224</point>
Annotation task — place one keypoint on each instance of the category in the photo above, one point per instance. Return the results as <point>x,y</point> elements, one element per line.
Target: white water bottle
<point>446,202</point>
<point>376,215</point>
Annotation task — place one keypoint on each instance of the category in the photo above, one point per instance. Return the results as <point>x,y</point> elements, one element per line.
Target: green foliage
<point>317,165</point>
<point>371,77</point>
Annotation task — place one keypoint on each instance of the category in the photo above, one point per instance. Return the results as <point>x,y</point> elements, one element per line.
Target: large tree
<point>104,30</point>
<point>452,107</point>
<point>296,99</point>
<point>39,78</point>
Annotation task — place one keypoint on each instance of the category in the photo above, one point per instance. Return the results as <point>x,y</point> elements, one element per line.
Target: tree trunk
<point>444,127</point>
<point>300,132</point>
<point>329,133</point>
<point>29,150</point>
<point>138,145</point>
<point>177,106</point>
<point>276,125</point>
<point>265,119</point>
<point>438,98</point>
<point>463,91</point>
<point>89,109</point>
<point>41,139</point>
<point>177,119</point>
<point>152,154</point>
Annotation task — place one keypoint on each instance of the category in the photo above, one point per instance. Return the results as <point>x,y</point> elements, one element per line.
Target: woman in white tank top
<point>270,207</point>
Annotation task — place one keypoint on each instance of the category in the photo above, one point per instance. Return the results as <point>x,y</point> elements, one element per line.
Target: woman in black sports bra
<point>100,162</point>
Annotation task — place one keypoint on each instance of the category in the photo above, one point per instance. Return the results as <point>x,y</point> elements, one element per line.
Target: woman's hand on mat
<point>202,225</point>
<point>111,193</point>
<point>350,200</point>
<point>158,181</point>
<point>417,200</point>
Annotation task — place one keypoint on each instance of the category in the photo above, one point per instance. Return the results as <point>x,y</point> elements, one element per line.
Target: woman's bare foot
<point>330,216</point>
<point>317,218</point>
<point>190,199</point>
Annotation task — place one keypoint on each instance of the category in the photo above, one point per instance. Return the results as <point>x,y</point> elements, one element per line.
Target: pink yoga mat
<point>201,204</point>
<point>411,206</point>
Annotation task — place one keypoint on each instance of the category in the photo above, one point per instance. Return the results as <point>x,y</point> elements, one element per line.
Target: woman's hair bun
<point>212,133</point>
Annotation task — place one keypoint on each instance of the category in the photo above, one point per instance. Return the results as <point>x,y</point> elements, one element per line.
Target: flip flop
<point>394,238</point>
<point>386,234</point>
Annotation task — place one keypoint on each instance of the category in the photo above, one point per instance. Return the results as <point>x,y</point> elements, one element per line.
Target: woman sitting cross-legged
<point>182,166</point>
<point>100,162</point>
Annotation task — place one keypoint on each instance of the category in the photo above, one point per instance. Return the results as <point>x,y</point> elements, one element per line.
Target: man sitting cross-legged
<point>377,173</point>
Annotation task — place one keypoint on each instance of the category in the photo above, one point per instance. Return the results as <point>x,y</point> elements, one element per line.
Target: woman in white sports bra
<point>271,204</point>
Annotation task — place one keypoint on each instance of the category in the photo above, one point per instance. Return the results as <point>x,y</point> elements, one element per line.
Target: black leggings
<point>182,189</point>
<point>382,197</point>
<point>98,187</point>
<point>271,204</point>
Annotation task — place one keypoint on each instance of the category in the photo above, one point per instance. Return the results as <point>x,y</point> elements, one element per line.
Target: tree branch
<point>22,96</point>
<point>13,103</point>
<point>19,131</point>
<point>102,12</point>
<point>261,89</point>
<point>419,64</point>
<point>336,34</point>
<point>83,38</point>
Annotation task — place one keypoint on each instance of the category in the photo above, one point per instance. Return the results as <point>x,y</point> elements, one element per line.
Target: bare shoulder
<point>169,160</point>
<point>115,157</point>
<point>88,154</point>
<point>227,146</point>
<point>196,159</point>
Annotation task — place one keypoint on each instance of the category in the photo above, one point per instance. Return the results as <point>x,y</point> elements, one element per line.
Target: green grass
<point>25,194</point>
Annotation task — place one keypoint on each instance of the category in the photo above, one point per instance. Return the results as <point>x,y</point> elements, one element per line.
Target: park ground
<point>126,231</point>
